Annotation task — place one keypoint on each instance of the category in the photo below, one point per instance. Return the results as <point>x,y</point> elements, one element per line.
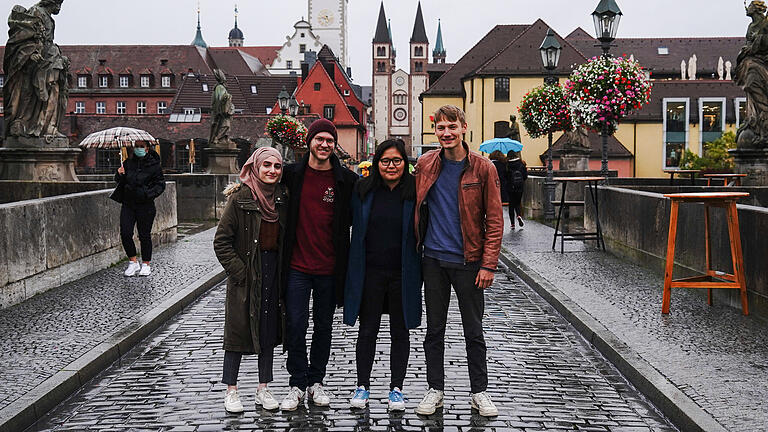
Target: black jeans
<point>232,366</point>
<point>515,205</point>
<point>382,287</point>
<point>142,216</point>
<point>439,276</point>
<point>300,286</point>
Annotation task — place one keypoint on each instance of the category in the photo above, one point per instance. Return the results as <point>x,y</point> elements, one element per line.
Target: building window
<point>418,51</point>
<point>289,64</point>
<point>121,107</point>
<point>205,87</point>
<point>381,51</point>
<point>329,111</point>
<point>317,86</point>
<point>711,119</point>
<point>381,67</point>
<point>2,81</point>
<point>471,91</point>
<point>124,81</point>
<point>165,81</point>
<point>162,107</point>
<point>346,92</point>
<point>502,89</point>
<point>79,107</point>
<point>141,107</point>
<point>741,110</point>
<point>400,99</point>
<point>254,89</point>
<point>144,81</point>
<point>302,35</point>
<point>417,67</point>
<point>189,111</point>
<point>676,114</point>
<point>269,110</point>
<point>101,107</point>
<point>302,48</point>
<point>82,82</point>
<point>103,81</point>
<point>107,159</point>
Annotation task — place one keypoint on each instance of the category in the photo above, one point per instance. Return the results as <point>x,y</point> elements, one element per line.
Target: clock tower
<point>329,21</point>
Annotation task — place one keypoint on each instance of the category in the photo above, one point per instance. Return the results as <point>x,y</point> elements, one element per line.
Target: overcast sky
<point>266,22</point>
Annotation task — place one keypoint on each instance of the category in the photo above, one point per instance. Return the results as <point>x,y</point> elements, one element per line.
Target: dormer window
<point>254,89</point>
<point>165,81</point>
<point>346,92</point>
<point>205,87</point>
<point>103,81</point>
<point>82,81</point>
<point>144,81</point>
<point>663,51</point>
<point>124,81</point>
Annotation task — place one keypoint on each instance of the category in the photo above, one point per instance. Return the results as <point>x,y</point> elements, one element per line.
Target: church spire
<point>236,37</point>
<point>199,41</point>
<point>439,52</point>
<point>419,33</point>
<point>382,34</point>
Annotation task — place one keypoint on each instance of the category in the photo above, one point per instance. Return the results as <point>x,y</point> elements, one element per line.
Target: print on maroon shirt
<point>314,253</point>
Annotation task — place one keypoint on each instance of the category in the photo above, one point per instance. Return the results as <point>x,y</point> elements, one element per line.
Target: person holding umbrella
<point>139,181</point>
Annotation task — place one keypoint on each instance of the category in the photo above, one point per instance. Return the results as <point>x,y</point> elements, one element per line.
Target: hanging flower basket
<point>287,130</point>
<point>545,109</point>
<point>605,90</point>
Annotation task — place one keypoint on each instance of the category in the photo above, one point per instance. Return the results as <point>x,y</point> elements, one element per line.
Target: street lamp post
<point>293,107</point>
<point>606,17</point>
<point>550,56</point>
<point>283,100</point>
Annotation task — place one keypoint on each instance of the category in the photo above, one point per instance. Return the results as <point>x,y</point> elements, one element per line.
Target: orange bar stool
<point>713,278</point>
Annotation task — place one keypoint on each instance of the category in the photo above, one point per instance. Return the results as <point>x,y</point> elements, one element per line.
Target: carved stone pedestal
<point>753,163</point>
<point>38,159</point>
<point>574,160</point>
<point>222,160</point>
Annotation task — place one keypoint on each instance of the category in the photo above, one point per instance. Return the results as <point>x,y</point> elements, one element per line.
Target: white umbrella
<point>117,137</point>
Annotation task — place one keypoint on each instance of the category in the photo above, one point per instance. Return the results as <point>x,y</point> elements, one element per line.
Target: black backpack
<point>516,180</point>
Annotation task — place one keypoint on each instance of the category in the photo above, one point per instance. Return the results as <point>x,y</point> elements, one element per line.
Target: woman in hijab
<point>249,245</point>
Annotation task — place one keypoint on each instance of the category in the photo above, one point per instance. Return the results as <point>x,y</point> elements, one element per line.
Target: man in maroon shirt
<point>315,261</point>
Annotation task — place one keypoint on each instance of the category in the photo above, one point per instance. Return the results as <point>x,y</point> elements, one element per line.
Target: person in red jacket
<point>460,223</point>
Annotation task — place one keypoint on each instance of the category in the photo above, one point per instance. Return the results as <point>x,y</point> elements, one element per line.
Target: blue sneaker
<point>360,398</point>
<point>396,401</point>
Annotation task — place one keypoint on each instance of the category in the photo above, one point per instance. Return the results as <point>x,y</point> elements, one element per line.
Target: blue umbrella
<point>502,144</point>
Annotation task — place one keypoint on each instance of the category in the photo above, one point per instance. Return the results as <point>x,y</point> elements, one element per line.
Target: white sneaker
<point>318,396</point>
<point>145,270</point>
<point>232,402</point>
<point>483,403</point>
<point>292,400</point>
<point>432,401</point>
<point>265,398</point>
<point>133,267</point>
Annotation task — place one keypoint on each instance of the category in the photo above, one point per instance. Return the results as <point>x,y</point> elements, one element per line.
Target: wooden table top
<point>723,175</point>
<point>579,178</point>
<point>680,171</point>
<point>705,196</point>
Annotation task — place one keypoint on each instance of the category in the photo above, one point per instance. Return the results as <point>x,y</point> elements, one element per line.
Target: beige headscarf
<point>262,192</point>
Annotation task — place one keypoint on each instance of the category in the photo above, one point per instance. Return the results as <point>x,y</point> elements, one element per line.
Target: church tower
<point>199,41</point>
<point>329,21</point>
<point>382,76</point>
<point>438,54</point>
<point>418,75</point>
<point>236,37</point>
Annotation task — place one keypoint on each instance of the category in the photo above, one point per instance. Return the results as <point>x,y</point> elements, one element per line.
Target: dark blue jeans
<point>300,286</point>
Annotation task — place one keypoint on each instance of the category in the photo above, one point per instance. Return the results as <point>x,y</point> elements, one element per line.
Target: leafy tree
<point>715,156</point>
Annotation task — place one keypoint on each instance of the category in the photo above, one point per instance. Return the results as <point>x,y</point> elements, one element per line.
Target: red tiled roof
<point>235,62</point>
<point>191,94</point>
<point>688,89</point>
<point>266,54</point>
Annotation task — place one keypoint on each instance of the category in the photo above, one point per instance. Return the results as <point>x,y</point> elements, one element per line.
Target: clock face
<point>400,114</point>
<point>325,18</point>
<point>400,80</point>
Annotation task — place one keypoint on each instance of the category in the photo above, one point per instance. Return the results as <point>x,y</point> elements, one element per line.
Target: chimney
<point>349,72</point>
<point>304,70</point>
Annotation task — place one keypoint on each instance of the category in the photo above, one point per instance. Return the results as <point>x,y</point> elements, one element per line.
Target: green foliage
<point>715,157</point>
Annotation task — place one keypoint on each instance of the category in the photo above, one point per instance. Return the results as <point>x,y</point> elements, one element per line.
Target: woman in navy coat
<point>384,273</point>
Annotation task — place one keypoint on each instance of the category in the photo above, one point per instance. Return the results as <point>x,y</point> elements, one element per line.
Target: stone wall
<point>49,242</point>
<point>20,190</point>
<point>200,196</point>
<point>636,225</point>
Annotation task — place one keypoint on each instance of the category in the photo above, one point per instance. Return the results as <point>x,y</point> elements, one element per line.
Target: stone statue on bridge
<point>752,75</point>
<point>514,129</point>
<point>35,90</point>
<point>222,110</point>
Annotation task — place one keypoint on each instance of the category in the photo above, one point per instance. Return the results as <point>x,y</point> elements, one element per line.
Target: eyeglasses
<point>394,161</point>
<point>320,140</point>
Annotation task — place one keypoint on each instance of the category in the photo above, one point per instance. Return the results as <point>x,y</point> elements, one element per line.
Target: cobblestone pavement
<point>543,376</point>
<point>47,332</point>
<point>715,355</point>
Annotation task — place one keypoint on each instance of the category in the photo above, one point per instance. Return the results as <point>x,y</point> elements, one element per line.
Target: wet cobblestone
<point>47,332</point>
<point>715,355</point>
<point>543,376</point>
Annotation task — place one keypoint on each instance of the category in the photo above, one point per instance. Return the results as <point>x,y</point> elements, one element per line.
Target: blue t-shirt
<point>443,240</point>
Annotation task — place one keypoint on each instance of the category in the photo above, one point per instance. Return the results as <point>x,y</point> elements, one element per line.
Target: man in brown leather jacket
<point>459,224</point>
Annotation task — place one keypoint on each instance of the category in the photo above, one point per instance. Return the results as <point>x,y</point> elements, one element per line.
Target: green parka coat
<point>236,245</point>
